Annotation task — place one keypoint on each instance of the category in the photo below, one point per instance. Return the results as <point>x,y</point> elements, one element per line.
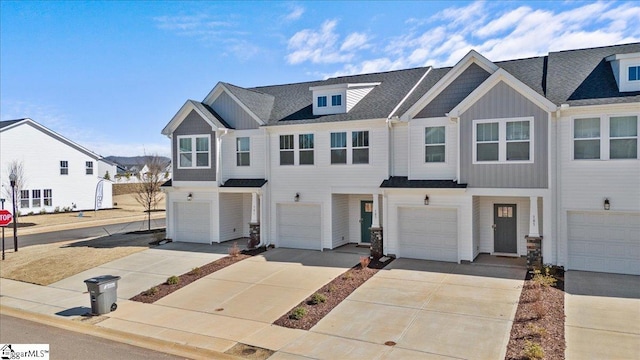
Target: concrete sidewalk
<point>602,315</point>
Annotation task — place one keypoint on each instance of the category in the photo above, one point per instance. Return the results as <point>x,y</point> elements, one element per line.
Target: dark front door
<point>366,212</point>
<point>505,237</point>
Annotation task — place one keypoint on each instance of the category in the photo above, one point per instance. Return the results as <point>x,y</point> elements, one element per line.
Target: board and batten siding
<point>232,113</point>
<point>453,94</point>
<point>193,124</point>
<point>501,102</point>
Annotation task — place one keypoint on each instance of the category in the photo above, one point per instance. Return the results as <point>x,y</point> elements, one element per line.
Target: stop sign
<point>5,217</point>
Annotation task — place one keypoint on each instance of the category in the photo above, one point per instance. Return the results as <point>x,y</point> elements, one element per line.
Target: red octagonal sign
<point>5,217</point>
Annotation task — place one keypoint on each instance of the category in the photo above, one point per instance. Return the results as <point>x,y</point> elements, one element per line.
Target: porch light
<point>297,197</point>
<point>426,199</point>
<point>607,204</point>
<point>189,197</point>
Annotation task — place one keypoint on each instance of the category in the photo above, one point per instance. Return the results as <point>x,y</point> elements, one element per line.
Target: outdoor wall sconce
<point>297,197</point>
<point>607,204</point>
<point>426,199</point>
<point>189,197</point>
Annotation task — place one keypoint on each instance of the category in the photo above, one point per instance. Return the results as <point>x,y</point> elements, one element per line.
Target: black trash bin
<point>103,291</point>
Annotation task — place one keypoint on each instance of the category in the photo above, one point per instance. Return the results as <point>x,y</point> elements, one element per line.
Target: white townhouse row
<point>441,163</point>
<point>58,173</point>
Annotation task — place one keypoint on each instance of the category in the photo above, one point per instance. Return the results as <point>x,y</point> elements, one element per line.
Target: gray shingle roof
<point>584,77</point>
<point>244,183</point>
<point>404,182</point>
<point>259,103</point>
<point>9,122</point>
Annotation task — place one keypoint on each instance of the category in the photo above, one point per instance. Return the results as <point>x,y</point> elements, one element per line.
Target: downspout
<point>264,202</point>
<point>219,161</point>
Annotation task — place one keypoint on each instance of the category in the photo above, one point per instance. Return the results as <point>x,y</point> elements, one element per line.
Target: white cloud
<point>504,22</point>
<point>189,24</point>
<point>321,46</point>
<point>295,13</point>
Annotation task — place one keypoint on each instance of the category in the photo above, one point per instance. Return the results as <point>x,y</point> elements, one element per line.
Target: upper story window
<point>48,197</point>
<point>243,153</point>
<point>64,167</point>
<point>194,152</point>
<point>89,167</point>
<point>322,101</point>
<point>339,148</point>
<point>336,100</point>
<point>24,198</point>
<point>503,140</point>
<point>634,73</point>
<point>360,147</point>
<point>306,149</point>
<point>434,139</point>
<point>35,198</point>
<point>607,137</point>
<point>286,149</point>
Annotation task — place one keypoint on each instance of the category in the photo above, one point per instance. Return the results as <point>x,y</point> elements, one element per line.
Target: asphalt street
<point>64,344</point>
<point>82,233</point>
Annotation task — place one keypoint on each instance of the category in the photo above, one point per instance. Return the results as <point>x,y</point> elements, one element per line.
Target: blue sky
<point>110,75</point>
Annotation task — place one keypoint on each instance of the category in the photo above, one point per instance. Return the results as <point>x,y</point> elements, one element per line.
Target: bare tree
<point>147,189</point>
<point>15,167</point>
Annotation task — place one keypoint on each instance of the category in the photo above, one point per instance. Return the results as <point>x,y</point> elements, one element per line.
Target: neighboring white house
<point>58,173</point>
<point>444,163</point>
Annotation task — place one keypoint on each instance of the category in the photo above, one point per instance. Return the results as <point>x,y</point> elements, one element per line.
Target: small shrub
<point>545,279</point>
<point>152,291</point>
<point>43,211</point>
<point>347,276</point>
<point>30,213</point>
<point>234,250</point>
<point>173,280</point>
<point>298,313</point>
<point>56,209</point>
<point>539,310</point>
<point>532,350</point>
<point>364,261</point>
<point>196,271</point>
<point>317,298</point>
<point>331,288</point>
<point>537,330</point>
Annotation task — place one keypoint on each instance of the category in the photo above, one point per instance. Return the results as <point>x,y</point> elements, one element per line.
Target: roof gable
<point>472,57</point>
<point>208,114</point>
<point>257,105</point>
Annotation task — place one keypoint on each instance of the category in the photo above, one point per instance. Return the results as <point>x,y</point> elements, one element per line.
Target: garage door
<point>430,234</point>
<point>604,241</point>
<point>299,226</point>
<point>193,222</point>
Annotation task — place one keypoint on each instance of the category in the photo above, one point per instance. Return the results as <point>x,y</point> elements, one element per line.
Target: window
<point>24,198</point>
<point>623,137</point>
<point>434,139</point>
<point>286,149</point>
<point>243,151</point>
<point>89,167</point>
<point>64,167</point>
<point>360,147</point>
<point>305,144</point>
<point>193,151</point>
<point>634,73</point>
<point>48,197</point>
<point>503,140</point>
<point>339,148</point>
<point>322,101</point>
<point>336,100</point>
<point>35,198</point>
<point>586,135</point>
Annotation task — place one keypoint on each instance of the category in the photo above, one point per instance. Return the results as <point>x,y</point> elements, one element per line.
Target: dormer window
<point>634,73</point>
<point>336,100</point>
<point>322,101</point>
<point>343,97</point>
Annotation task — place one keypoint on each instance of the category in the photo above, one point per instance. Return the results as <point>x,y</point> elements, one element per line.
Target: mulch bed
<point>165,289</point>
<point>335,291</point>
<point>539,320</point>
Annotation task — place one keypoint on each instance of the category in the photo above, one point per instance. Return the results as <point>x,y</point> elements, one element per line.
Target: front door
<point>366,212</point>
<point>505,237</point>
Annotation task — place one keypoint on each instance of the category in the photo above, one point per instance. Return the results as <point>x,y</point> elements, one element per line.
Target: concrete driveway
<point>602,315</point>
<point>431,310</point>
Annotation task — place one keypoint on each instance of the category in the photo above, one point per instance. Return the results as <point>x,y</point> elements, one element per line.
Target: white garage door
<point>299,226</point>
<point>430,234</point>
<point>193,222</point>
<point>604,241</point>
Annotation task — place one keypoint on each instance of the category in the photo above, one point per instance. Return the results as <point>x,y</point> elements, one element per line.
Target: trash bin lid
<point>102,279</point>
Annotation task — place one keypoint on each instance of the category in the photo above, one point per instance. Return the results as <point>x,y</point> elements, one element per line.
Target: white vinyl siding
<point>503,141</point>
<point>194,152</point>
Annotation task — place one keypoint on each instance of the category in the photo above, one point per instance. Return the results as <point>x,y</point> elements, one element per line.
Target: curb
<point>164,346</point>
<point>86,224</point>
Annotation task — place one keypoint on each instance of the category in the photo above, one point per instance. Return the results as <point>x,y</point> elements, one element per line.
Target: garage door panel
<point>429,234</point>
<point>604,242</point>
<point>193,222</point>
<point>299,226</point>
